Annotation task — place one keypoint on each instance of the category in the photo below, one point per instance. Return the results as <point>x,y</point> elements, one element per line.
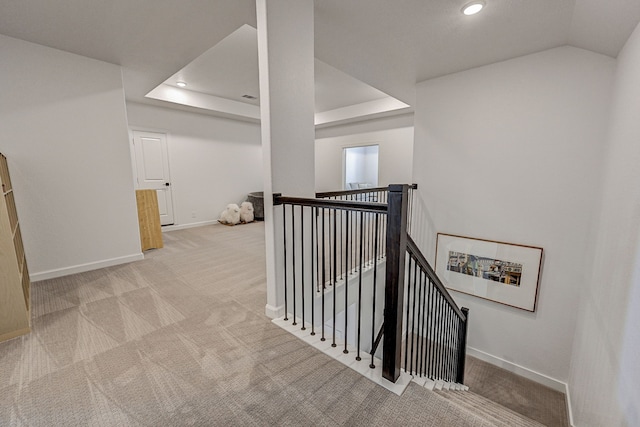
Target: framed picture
<point>502,272</point>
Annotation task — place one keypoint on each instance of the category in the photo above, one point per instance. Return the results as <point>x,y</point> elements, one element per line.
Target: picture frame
<point>506,273</point>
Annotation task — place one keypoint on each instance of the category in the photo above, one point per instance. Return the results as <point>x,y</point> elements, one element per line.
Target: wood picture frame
<point>505,273</point>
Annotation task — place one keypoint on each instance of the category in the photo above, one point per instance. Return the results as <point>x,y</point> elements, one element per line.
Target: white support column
<point>286,63</point>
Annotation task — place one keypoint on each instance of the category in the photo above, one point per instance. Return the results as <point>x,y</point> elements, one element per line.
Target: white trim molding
<point>185,226</point>
<point>567,399</point>
<point>273,312</point>
<point>81,268</point>
<point>519,370</point>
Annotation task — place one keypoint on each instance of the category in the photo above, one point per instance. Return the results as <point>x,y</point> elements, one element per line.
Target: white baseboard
<point>190,225</point>
<point>568,401</point>
<point>81,268</point>
<point>519,370</point>
<point>273,312</point>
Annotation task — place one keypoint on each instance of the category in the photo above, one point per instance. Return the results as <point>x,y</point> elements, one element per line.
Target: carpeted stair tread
<point>491,409</point>
<point>488,409</point>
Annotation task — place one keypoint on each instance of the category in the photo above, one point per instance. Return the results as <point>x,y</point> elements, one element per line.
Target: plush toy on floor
<point>231,215</point>
<point>246,212</point>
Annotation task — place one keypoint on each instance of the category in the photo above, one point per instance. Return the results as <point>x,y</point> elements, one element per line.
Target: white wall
<point>512,152</point>
<point>605,374</point>
<point>394,156</point>
<point>213,161</point>
<point>63,128</point>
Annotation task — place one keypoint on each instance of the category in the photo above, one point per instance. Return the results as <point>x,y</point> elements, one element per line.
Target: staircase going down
<point>487,409</point>
<point>357,287</point>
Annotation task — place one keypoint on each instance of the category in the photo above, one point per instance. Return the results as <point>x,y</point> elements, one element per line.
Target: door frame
<point>344,148</point>
<point>134,166</point>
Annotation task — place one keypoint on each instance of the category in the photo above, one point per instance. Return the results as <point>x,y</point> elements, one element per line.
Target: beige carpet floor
<point>521,395</point>
<point>181,339</point>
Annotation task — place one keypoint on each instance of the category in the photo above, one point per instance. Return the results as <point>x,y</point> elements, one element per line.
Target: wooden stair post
<point>396,242</point>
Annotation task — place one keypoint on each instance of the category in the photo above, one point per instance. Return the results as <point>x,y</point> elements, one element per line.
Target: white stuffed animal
<point>231,215</point>
<point>246,212</point>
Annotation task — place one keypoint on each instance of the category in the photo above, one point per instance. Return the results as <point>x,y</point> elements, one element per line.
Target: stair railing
<point>435,329</point>
<point>367,194</point>
<point>329,248</point>
<point>335,249</point>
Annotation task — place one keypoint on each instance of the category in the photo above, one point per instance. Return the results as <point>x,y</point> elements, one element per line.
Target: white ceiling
<point>389,45</point>
<point>227,74</point>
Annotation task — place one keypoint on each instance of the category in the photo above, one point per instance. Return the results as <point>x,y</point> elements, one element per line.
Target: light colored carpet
<point>519,394</point>
<point>180,339</point>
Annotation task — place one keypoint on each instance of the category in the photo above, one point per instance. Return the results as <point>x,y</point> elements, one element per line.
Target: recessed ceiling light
<point>181,84</point>
<point>473,7</point>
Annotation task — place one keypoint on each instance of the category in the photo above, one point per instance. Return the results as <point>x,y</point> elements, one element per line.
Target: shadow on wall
<point>423,230</point>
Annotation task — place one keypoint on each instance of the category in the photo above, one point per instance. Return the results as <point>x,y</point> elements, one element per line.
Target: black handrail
<point>324,194</point>
<point>350,205</point>
<point>426,267</point>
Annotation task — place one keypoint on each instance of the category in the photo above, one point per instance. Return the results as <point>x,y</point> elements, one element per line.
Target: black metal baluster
<point>454,348</point>
<point>410,209</point>
<point>352,227</point>
<point>358,358</point>
<point>316,215</point>
<point>454,345</point>
<point>302,257</point>
<point>443,359</point>
<point>375,277</point>
<point>346,285</point>
<point>357,218</point>
<point>457,348</point>
<point>313,214</point>
<point>335,263</point>
<point>449,311</point>
<point>413,315</point>
<point>436,302</point>
<point>452,339</point>
<point>370,217</point>
<point>430,330</point>
<point>406,339</point>
<point>341,244</point>
<point>452,358</point>
<point>385,223</point>
<point>420,328</point>
<point>332,247</point>
<point>293,253</point>
<point>354,237</point>
<point>423,351</point>
<point>365,231</point>
<point>440,331</point>
<point>324,254</point>
<point>434,343</point>
<point>445,362</point>
<point>284,232</point>
<point>383,232</point>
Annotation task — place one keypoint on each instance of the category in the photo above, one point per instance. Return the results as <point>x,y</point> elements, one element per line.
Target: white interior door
<point>152,170</point>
